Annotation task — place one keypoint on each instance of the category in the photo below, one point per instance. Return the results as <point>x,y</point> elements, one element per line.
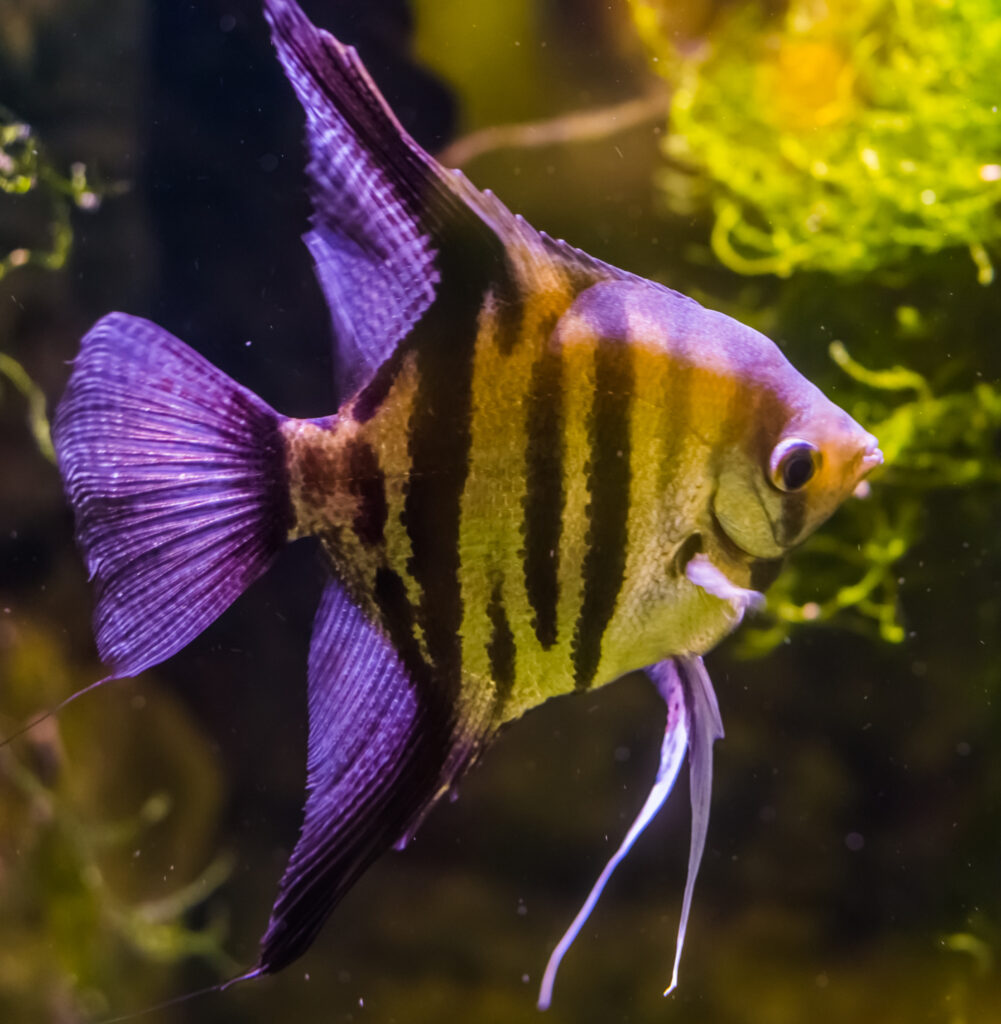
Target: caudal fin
<point>177,479</point>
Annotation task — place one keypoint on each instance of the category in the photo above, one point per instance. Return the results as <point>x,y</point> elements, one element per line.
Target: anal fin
<point>380,752</point>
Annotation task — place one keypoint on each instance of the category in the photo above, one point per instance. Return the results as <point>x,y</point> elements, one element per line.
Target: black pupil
<point>797,469</point>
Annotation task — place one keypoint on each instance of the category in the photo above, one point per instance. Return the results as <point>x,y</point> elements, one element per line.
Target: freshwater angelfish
<point>544,473</point>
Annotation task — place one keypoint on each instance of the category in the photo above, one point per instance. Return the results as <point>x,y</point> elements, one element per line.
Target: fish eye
<point>793,464</point>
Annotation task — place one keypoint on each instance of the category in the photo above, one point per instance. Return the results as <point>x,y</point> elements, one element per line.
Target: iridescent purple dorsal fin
<point>383,208</point>
<point>381,751</point>
<point>374,258</point>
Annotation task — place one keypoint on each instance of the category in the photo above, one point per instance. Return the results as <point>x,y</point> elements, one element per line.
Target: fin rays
<point>374,259</point>
<point>169,553</point>
<point>379,754</point>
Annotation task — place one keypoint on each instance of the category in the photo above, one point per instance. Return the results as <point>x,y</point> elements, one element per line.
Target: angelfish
<point>545,473</point>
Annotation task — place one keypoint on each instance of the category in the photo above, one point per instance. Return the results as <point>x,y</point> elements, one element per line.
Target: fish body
<point>591,429</point>
<point>545,473</point>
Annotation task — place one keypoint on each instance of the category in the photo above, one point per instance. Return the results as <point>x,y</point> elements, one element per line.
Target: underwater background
<point>829,172</point>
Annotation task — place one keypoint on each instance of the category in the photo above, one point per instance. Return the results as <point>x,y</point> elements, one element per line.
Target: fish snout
<point>866,460</point>
<point>870,457</point>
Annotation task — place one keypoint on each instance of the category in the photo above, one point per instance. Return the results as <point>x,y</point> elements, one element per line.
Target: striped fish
<point>545,473</point>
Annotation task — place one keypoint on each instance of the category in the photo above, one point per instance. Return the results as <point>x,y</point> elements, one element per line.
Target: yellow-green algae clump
<point>839,136</point>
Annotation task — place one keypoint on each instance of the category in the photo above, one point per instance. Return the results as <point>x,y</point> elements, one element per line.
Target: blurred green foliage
<point>25,169</point>
<point>839,136</point>
<point>66,861</point>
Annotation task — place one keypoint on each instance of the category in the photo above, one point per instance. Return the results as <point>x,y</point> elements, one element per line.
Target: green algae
<point>841,136</point>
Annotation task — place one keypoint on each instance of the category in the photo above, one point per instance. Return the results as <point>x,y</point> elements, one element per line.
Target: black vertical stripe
<point>793,517</point>
<point>375,392</point>
<point>542,505</point>
<point>439,450</point>
<point>608,476</point>
<point>367,482</point>
<point>510,312</point>
<point>439,446</point>
<point>397,616</point>
<point>501,648</point>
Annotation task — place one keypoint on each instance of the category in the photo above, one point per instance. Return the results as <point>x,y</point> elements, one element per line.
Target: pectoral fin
<point>380,752</point>
<point>693,724</point>
<point>703,573</point>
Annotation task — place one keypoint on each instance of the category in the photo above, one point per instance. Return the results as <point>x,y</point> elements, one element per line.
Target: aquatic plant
<point>26,168</point>
<point>842,136</point>
<point>66,860</point>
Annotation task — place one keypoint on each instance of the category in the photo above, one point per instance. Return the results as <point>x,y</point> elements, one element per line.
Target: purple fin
<point>381,750</point>
<point>383,208</point>
<point>177,479</point>
<point>704,727</point>
<point>692,724</point>
<point>672,754</point>
<point>374,259</point>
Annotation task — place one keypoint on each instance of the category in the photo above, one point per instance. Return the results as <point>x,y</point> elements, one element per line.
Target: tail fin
<point>177,479</point>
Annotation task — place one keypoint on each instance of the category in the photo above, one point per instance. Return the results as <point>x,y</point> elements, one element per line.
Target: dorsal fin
<point>374,259</point>
<point>383,208</point>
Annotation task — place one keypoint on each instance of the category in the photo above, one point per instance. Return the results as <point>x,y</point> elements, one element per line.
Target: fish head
<point>768,455</point>
<point>790,467</point>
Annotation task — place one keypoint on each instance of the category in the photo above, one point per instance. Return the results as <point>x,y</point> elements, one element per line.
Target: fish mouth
<point>869,458</point>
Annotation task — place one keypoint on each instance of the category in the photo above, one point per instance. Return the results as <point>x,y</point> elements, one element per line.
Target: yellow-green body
<point>696,396</point>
